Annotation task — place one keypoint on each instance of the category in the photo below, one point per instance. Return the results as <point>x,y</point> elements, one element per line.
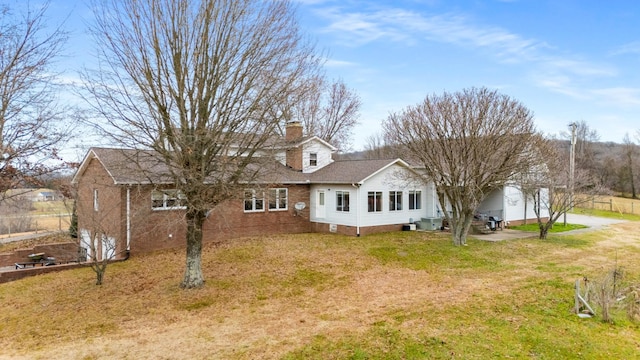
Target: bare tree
<point>330,111</point>
<point>30,118</point>
<point>554,190</point>
<point>630,152</point>
<point>204,85</point>
<point>376,147</point>
<point>469,143</point>
<point>99,248</point>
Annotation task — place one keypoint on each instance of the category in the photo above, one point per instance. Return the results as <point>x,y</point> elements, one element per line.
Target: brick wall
<point>7,276</point>
<point>352,230</point>
<point>529,221</point>
<point>165,229</point>
<point>63,252</point>
<point>109,217</point>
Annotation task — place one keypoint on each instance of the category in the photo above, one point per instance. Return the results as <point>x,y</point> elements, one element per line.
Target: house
<point>133,205</point>
<point>510,204</point>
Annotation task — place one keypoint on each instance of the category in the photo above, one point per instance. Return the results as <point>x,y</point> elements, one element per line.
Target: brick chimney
<point>293,134</point>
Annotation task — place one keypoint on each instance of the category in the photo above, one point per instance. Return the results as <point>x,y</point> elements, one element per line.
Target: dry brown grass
<point>614,203</point>
<point>263,298</point>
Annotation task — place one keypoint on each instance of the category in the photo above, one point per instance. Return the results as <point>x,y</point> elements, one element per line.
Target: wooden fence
<point>617,204</point>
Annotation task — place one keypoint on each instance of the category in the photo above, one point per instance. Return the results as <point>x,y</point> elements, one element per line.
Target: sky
<point>565,60</point>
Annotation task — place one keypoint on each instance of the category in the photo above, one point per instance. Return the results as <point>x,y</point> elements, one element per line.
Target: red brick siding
<point>110,215</point>
<point>164,229</point>
<point>7,276</point>
<point>529,221</point>
<point>294,158</point>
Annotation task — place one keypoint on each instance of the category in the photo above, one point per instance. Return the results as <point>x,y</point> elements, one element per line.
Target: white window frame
<point>256,203</point>
<point>377,197</point>
<point>279,198</point>
<point>96,204</point>
<point>415,199</point>
<point>313,159</point>
<point>169,199</point>
<point>342,201</point>
<point>395,200</point>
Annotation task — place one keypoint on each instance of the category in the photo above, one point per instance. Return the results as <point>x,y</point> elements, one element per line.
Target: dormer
<point>306,154</point>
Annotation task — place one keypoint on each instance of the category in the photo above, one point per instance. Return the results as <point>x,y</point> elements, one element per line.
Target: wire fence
<point>11,225</point>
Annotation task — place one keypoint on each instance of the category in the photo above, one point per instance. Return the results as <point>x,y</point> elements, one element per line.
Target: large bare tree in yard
<point>204,84</point>
<point>329,111</point>
<point>469,142</point>
<point>30,118</point>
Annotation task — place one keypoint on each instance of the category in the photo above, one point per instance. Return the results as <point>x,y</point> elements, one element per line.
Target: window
<point>95,200</point>
<point>374,201</point>
<point>342,201</point>
<point>277,199</point>
<point>168,199</point>
<point>252,202</point>
<point>395,200</point>
<point>415,200</point>
<point>313,159</point>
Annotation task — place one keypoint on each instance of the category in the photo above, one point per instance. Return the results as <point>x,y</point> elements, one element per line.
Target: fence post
<point>610,204</point>
<point>593,203</point>
<point>632,208</point>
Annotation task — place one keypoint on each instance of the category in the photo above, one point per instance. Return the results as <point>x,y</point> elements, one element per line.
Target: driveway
<point>593,222</point>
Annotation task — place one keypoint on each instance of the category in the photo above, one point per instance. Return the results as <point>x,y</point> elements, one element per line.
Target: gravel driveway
<point>590,221</point>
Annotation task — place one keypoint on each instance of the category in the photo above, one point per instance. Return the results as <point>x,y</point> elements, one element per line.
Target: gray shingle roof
<point>349,171</point>
<point>129,166</point>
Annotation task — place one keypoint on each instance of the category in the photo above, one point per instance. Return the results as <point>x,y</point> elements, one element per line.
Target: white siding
<point>514,204</point>
<point>322,152</point>
<point>493,204</point>
<point>392,179</point>
<point>332,216</point>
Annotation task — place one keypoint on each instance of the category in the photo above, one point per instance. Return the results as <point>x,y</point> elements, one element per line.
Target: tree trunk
<point>99,276</point>
<point>633,184</point>
<point>460,229</point>
<point>544,230</point>
<point>193,273</point>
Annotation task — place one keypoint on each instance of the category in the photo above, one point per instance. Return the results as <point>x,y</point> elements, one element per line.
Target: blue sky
<point>566,60</point>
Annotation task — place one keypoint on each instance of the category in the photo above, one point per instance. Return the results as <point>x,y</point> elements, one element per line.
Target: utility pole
<point>572,167</point>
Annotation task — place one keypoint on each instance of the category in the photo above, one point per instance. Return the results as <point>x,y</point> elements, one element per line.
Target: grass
<point>607,214</point>
<point>51,207</point>
<point>557,227</point>
<point>401,295</point>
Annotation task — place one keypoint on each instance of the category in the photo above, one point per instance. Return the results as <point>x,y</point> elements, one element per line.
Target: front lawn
<point>401,295</point>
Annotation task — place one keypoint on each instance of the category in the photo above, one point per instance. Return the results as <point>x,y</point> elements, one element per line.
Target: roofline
<point>391,163</point>
<point>91,154</point>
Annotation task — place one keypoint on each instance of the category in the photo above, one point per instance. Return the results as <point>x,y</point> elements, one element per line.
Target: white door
<point>321,211</point>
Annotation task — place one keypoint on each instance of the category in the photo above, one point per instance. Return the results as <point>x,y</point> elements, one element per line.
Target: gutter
<point>128,220</point>
<point>357,186</point>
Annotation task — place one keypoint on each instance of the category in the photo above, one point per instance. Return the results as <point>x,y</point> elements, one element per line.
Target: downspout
<point>357,207</point>
<point>128,222</point>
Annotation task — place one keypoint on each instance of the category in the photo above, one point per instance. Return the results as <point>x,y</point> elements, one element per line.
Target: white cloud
<point>622,96</point>
<point>630,48</point>
<point>339,63</point>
